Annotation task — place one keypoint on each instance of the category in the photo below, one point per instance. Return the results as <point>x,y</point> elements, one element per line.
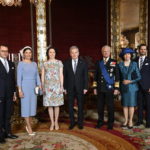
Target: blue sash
<point>109,80</point>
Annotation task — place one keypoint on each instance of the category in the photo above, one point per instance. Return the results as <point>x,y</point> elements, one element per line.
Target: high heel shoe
<point>51,127</point>
<point>130,126</point>
<point>31,134</point>
<point>56,126</point>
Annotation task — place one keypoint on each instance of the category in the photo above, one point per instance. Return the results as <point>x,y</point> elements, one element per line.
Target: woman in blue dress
<point>129,76</point>
<point>27,79</point>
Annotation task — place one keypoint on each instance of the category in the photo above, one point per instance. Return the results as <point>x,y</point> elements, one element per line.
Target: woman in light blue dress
<point>129,76</point>
<point>27,79</point>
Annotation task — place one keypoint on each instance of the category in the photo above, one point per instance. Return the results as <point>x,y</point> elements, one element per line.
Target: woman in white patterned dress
<point>52,83</point>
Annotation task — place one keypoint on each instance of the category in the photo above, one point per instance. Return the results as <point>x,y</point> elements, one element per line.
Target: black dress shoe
<point>147,126</point>
<point>71,126</point>
<point>11,136</point>
<point>80,127</point>
<point>99,125</point>
<point>2,141</point>
<point>124,125</point>
<point>138,123</point>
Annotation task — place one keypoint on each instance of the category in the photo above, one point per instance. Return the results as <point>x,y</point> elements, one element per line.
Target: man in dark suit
<point>144,86</point>
<point>106,84</point>
<point>7,94</point>
<point>75,84</point>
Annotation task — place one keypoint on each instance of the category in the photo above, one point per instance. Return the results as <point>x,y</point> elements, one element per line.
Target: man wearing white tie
<point>144,86</point>
<point>7,94</point>
<point>75,84</point>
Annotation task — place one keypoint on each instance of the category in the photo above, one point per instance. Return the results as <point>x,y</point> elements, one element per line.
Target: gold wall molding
<point>115,25</point>
<point>41,31</point>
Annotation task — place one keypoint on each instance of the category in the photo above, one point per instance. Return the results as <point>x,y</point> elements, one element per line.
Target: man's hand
<point>65,91</point>
<point>85,91</point>
<point>126,82</point>
<point>95,91</point>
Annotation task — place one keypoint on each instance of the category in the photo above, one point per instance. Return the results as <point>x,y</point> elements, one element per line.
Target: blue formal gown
<point>28,78</point>
<point>129,92</point>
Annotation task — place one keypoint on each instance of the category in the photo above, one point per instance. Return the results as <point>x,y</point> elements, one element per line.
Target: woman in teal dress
<point>129,76</point>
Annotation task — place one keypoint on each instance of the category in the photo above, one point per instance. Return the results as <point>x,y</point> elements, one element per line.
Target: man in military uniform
<point>106,85</point>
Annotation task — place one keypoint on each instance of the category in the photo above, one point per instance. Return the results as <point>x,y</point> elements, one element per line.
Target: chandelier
<point>18,2</point>
<point>10,2</point>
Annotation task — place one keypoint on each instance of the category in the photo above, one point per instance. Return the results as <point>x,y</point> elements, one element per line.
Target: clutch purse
<point>38,91</point>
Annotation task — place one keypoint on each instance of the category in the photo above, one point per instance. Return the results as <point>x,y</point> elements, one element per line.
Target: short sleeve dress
<point>53,95</point>
<point>28,78</point>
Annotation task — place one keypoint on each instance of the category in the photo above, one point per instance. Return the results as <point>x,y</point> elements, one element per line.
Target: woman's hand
<point>21,95</point>
<point>61,90</point>
<point>95,91</point>
<point>116,92</point>
<point>126,82</point>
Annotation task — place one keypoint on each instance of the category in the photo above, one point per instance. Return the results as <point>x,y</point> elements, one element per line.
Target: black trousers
<point>80,102</point>
<point>105,98</point>
<point>144,104</point>
<point>6,109</point>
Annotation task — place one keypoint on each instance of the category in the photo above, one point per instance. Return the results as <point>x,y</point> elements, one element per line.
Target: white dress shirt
<point>3,62</point>
<point>105,60</point>
<point>143,58</point>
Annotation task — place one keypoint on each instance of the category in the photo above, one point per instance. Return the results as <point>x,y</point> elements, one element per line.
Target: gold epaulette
<point>94,84</point>
<point>117,84</point>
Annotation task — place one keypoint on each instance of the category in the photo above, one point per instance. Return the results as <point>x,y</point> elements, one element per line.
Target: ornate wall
<point>75,22</point>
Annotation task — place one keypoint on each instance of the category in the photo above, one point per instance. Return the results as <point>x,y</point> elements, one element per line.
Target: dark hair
<point>3,46</point>
<point>48,49</point>
<point>27,49</point>
<point>122,57</point>
<point>139,47</point>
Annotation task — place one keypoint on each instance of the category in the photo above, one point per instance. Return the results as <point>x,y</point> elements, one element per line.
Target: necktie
<point>75,66</point>
<point>141,62</point>
<point>105,60</point>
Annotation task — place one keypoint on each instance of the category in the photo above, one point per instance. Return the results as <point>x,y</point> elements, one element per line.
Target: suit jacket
<point>145,73</point>
<point>132,74</point>
<point>99,81</point>
<point>78,80</point>
<point>7,80</point>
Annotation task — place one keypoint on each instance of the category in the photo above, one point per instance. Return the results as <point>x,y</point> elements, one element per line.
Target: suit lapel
<point>145,60</point>
<point>108,62</point>
<point>78,65</point>
<point>9,66</point>
<point>70,64</point>
<point>3,66</point>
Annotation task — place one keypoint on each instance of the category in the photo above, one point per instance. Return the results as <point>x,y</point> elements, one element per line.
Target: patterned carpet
<point>87,139</point>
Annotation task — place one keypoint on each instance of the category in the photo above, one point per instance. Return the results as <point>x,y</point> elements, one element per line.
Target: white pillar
<point>41,31</point>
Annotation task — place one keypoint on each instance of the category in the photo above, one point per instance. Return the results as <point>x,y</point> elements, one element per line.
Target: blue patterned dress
<point>53,95</point>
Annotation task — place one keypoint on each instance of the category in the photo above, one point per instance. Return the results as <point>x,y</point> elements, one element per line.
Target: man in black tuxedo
<point>106,85</point>
<point>75,84</point>
<point>7,94</point>
<point>144,86</point>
